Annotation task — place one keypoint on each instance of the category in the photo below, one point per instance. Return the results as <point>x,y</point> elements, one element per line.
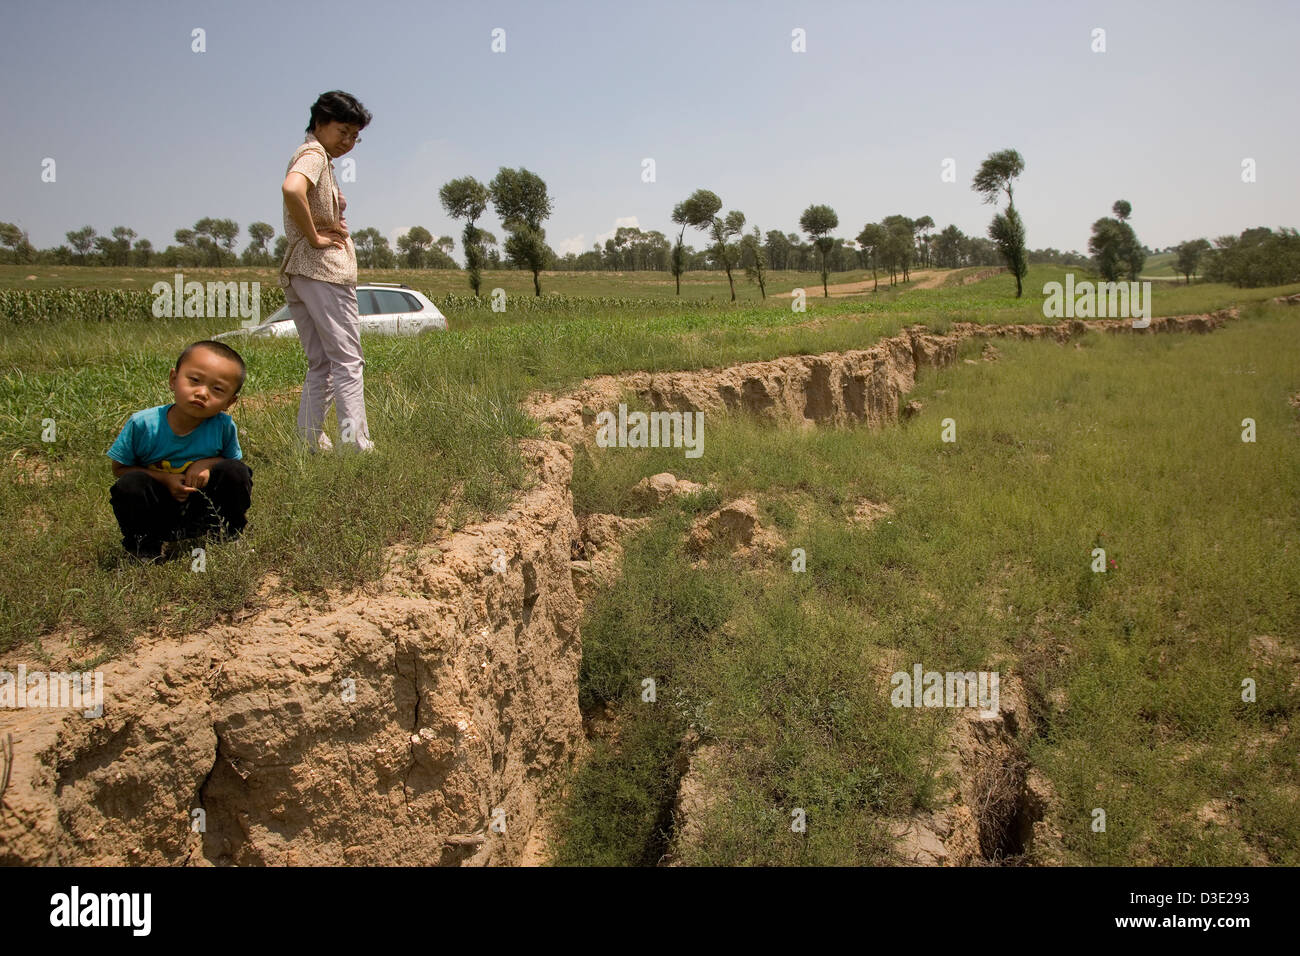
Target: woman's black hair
<point>337,106</point>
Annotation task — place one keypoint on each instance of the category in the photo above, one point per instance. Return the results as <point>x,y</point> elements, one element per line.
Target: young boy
<point>178,466</point>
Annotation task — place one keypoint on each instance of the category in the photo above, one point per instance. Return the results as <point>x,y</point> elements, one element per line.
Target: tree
<point>10,237</point>
<point>900,243</point>
<point>1104,245</point>
<point>143,252</point>
<point>106,250</point>
<point>796,251</point>
<point>678,262</point>
<point>412,244</point>
<point>262,233</point>
<point>1007,231</point>
<point>118,249</point>
<point>778,249</point>
<point>726,253</point>
<point>467,198</point>
<point>700,210</point>
<point>948,248</point>
<point>1258,257</point>
<point>226,233</point>
<point>363,241</point>
<point>817,222</point>
<point>754,260</point>
<point>1131,251</point>
<point>211,236</point>
<point>922,228</point>
<point>521,202</point>
<point>1115,245</point>
<point>380,254</point>
<point>1189,257</point>
<point>696,211</point>
<point>81,240</point>
<point>871,238</point>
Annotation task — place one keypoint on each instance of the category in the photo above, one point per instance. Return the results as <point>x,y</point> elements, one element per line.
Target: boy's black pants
<point>148,515</point>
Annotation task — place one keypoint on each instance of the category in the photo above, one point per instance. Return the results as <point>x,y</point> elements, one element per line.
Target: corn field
<point>27,307</point>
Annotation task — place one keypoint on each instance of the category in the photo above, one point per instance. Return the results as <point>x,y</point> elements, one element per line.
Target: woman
<point>319,275</point>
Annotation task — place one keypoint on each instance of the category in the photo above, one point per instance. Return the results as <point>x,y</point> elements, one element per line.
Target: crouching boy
<point>178,468</point>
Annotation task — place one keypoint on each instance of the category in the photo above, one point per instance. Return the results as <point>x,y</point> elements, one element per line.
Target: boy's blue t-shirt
<point>148,439</point>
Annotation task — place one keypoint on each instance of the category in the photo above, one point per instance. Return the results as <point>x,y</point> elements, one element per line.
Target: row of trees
<point>1258,257</point>
<point>893,245</point>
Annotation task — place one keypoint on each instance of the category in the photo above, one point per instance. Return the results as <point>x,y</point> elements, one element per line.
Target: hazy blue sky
<point>148,134</point>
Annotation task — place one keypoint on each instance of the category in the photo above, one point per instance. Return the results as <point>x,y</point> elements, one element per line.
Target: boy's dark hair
<point>340,107</point>
<point>222,349</point>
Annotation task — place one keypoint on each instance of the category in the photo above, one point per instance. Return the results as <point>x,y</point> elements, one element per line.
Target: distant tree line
<point>630,250</point>
<point>1257,257</point>
<point>889,248</point>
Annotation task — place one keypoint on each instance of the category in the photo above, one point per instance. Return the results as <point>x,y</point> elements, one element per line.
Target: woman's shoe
<point>321,444</point>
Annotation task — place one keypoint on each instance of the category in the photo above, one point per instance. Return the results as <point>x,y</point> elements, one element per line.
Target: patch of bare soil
<point>269,399</point>
<point>735,529</point>
<point>997,809</point>
<point>920,279</point>
<point>27,469</point>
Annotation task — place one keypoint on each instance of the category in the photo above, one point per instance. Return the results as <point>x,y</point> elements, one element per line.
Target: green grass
<point>1160,266</point>
<point>436,282</point>
<point>1134,676</point>
<point>777,670</point>
<point>443,408</point>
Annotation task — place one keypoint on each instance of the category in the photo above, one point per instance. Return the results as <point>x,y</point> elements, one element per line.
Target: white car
<point>389,308</point>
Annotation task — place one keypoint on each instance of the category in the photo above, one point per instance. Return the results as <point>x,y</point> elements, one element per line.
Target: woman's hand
<point>330,236</point>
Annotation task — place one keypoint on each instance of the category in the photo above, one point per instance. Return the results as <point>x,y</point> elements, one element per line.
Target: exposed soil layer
<point>861,385</point>
<point>391,726</point>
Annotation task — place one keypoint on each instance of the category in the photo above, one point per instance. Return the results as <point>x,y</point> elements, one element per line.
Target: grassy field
<point>1160,266</point>
<point>442,408</point>
<point>437,282</point>
<point>1134,674</point>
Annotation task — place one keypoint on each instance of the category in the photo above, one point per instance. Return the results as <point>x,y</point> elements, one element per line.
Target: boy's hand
<point>197,477</point>
<point>175,483</point>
